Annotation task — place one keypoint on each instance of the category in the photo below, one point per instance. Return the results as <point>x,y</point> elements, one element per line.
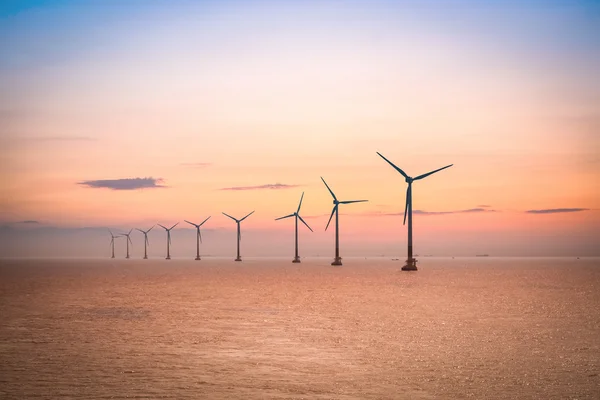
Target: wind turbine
<point>198,236</point>
<point>146,242</point>
<point>239,233</point>
<point>336,203</point>
<point>297,215</point>
<point>112,242</point>
<point>411,263</point>
<point>168,238</point>
<point>127,241</point>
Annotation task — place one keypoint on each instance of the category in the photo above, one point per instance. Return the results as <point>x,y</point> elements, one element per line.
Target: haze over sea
<point>483,328</point>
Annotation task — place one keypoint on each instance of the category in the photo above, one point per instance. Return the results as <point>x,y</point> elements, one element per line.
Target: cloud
<point>124,184</point>
<point>29,221</point>
<point>65,138</point>
<point>267,186</point>
<point>197,165</point>
<point>484,206</point>
<point>556,210</point>
<point>423,212</point>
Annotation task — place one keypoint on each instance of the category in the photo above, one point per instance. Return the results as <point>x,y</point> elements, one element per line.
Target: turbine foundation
<point>168,258</point>
<point>296,260</point>
<point>411,265</point>
<point>238,259</point>
<point>145,257</point>
<point>337,261</point>
<point>197,258</point>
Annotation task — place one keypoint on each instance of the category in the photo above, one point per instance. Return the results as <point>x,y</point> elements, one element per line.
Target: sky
<point>124,114</point>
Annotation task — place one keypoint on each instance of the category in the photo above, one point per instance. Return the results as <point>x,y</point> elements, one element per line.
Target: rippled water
<point>458,328</point>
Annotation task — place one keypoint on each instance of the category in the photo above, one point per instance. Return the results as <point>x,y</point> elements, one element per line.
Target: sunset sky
<point>234,106</point>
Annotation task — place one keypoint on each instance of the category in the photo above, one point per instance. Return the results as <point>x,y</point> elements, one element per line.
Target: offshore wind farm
<point>331,200</point>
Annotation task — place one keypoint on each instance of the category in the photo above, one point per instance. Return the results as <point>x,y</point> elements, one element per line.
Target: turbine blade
<point>287,216</point>
<point>169,237</point>
<point>128,238</point>
<point>205,220</point>
<point>199,235</point>
<point>112,240</point>
<point>300,205</point>
<point>352,201</point>
<point>164,227</point>
<point>331,216</point>
<point>304,222</point>
<point>130,231</point>
<point>239,234</point>
<point>191,223</point>
<point>328,188</point>
<point>432,172</point>
<point>174,226</point>
<point>406,206</point>
<point>147,242</point>
<point>150,228</point>
<point>230,216</point>
<point>137,229</point>
<point>393,165</point>
<point>247,216</point>
<point>111,234</point>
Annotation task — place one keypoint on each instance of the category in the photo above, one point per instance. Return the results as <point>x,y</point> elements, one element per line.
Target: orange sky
<point>229,95</point>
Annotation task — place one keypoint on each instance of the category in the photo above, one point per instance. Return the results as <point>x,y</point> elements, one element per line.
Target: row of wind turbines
<point>411,262</point>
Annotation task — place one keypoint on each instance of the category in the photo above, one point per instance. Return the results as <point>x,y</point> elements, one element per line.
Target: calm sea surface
<point>479,328</point>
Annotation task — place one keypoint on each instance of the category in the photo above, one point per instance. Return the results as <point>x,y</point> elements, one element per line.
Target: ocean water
<point>481,328</point>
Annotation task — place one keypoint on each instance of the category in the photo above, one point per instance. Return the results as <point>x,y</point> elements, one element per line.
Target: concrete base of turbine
<point>197,258</point>
<point>411,265</point>
<point>238,259</point>
<point>337,261</point>
<point>168,258</point>
<point>145,257</point>
<point>127,257</point>
<point>296,260</point>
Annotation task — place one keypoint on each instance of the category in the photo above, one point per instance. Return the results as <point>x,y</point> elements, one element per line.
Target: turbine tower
<point>336,203</point>
<point>146,242</point>
<point>297,215</point>
<point>112,242</point>
<point>411,263</point>
<point>239,233</point>
<point>198,236</point>
<point>168,238</point>
<point>127,241</point>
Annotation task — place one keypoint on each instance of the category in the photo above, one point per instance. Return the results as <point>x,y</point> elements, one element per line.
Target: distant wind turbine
<point>336,203</point>
<point>127,241</point>
<point>297,215</point>
<point>411,263</point>
<point>146,242</point>
<point>168,239</point>
<point>198,236</point>
<point>239,233</point>
<point>112,242</point>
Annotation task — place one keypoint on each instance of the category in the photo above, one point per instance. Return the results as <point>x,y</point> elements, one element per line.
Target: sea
<point>459,328</point>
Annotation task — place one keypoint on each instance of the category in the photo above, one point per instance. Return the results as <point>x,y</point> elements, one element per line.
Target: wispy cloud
<point>423,212</point>
<point>197,164</point>
<point>484,206</point>
<point>273,186</point>
<point>556,210</point>
<point>124,184</point>
<point>29,222</point>
<point>65,138</point>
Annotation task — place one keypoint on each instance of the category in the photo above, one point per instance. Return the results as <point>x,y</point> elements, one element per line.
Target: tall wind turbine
<point>198,236</point>
<point>127,241</point>
<point>297,215</point>
<point>112,242</point>
<point>239,233</point>
<point>168,238</point>
<point>411,263</point>
<point>336,203</point>
<point>146,242</point>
